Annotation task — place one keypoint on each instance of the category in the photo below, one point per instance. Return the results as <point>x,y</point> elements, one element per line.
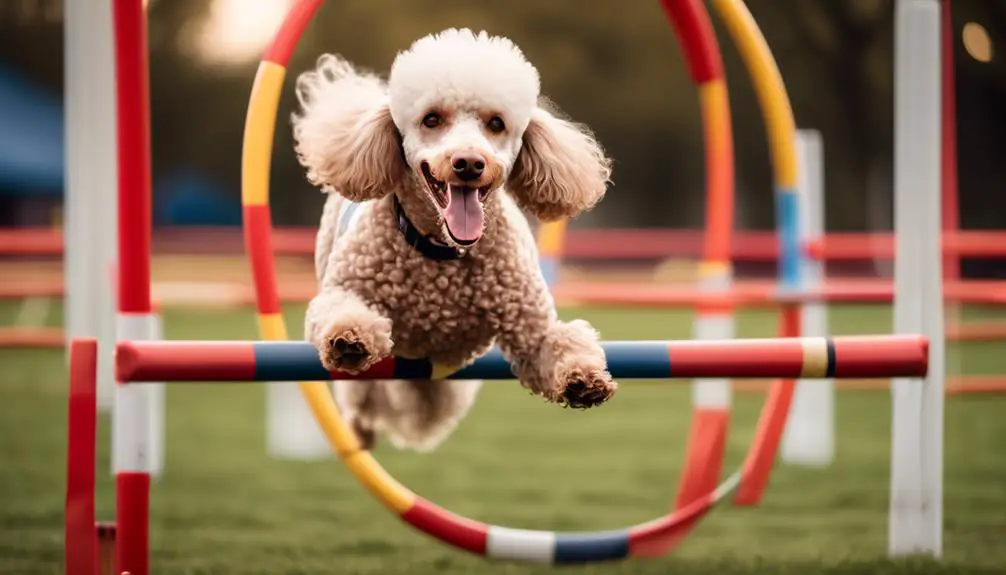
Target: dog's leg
<point>570,366</point>
<point>419,415</point>
<point>348,334</point>
<point>357,404</point>
<point>561,361</point>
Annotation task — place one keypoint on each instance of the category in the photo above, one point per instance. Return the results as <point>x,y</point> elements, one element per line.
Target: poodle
<point>423,250</point>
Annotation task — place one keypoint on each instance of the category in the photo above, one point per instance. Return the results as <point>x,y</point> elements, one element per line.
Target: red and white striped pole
<point>89,190</point>
<point>130,430</point>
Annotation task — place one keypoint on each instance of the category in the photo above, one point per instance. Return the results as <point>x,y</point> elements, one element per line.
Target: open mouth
<point>462,207</point>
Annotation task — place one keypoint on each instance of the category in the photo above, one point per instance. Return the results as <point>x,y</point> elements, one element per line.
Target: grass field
<point>224,507</point>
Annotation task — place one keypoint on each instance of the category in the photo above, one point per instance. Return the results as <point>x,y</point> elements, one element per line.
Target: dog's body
<point>454,160</point>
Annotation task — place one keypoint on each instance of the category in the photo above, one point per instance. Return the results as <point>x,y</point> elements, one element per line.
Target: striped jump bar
<point>806,357</point>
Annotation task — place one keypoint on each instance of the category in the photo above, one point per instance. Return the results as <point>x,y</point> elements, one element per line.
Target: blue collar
<point>421,243</point>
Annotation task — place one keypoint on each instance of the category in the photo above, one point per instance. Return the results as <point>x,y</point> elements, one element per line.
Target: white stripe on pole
<point>916,502</point>
<point>291,431</point>
<point>156,407</point>
<point>809,438</point>
<point>131,449</point>
<point>90,182</point>
<point>713,393</point>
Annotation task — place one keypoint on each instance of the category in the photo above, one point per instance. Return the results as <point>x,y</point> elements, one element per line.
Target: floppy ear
<point>344,134</point>
<point>561,169</point>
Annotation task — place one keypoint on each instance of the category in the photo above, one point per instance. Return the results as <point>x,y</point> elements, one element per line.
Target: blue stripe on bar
<point>491,366</point>
<point>288,361</point>
<point>298,361</point>
<point>787,214</point>
<point>588,547</point>
<point>638,359</point>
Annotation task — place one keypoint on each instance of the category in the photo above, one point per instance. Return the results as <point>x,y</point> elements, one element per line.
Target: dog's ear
<point>561,169</point>
<point>344,134</point>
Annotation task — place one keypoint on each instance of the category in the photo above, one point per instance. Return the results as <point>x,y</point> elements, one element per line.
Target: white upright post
<point>916,502</point>
<point>90,182</point>
<point>809,437</point>
<point>291,431</point>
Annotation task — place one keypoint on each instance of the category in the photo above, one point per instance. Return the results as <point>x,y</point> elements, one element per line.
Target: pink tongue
<point>464,214</point>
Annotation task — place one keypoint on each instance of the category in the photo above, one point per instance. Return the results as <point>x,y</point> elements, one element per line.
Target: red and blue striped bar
<point>808,357</point>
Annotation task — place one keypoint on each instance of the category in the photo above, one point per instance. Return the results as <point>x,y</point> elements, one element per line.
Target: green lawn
<point>225,507</point>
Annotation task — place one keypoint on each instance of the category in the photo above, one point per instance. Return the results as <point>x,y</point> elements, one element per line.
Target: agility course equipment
<point>843,357</point>
<point>916,475</point>
<point>800,253</point>
<point>181,361</point>
<point>260,125</point>
<point>711,400</point>
<point>809,435</point>
<point>269,360</point>
<point>90,198</point>
<point>813,250</point>
<point>711,397</point>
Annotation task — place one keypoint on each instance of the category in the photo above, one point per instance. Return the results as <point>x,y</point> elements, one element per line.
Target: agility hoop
<point>646,539</point>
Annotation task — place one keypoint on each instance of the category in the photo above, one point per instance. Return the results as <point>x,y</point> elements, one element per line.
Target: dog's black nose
<point>468,165</point>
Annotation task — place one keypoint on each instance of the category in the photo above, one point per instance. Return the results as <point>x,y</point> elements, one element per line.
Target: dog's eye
<point>496,125</point>
<point>432,120</point>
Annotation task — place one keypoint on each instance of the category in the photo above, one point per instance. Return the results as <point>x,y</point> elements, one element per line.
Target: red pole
<point>949,192</point>
<point>81,540</point>
<point>132,79</point>
<point>133,111</point>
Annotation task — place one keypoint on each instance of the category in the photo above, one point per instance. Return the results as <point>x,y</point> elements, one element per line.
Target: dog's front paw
<point>353,350</point>
<point>586,388</point>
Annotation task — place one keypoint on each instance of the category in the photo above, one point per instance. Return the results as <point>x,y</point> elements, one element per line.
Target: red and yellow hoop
<point>692,24</point>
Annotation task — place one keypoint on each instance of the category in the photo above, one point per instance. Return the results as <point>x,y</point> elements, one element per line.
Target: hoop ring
<point>504,543</point>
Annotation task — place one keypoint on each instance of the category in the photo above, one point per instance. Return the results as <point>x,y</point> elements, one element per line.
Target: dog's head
<point>458,121</point>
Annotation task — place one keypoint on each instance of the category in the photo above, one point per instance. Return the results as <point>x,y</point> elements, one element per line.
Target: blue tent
<point>31,138</point>
<point>188,198</point>
<point>32,160</point>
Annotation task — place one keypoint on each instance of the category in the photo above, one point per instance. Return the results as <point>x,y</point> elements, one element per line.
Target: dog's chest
<point>445,311</point>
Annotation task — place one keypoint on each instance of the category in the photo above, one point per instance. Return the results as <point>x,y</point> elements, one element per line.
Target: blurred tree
<point>31,39</point>
<point>981,119</point>
<point>837,61</point>
<point>30,12</point>
<point>992,16</point>
<point>614,67</point>
<point>618,71</point>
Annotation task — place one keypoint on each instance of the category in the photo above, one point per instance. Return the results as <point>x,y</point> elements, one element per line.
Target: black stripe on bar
<point>406,368</point>
<point>830,344</point>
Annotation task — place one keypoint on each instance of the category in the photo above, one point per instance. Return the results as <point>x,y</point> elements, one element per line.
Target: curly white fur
<point>364,140</point>
<point>344,133</point>
<point>457,68</point>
